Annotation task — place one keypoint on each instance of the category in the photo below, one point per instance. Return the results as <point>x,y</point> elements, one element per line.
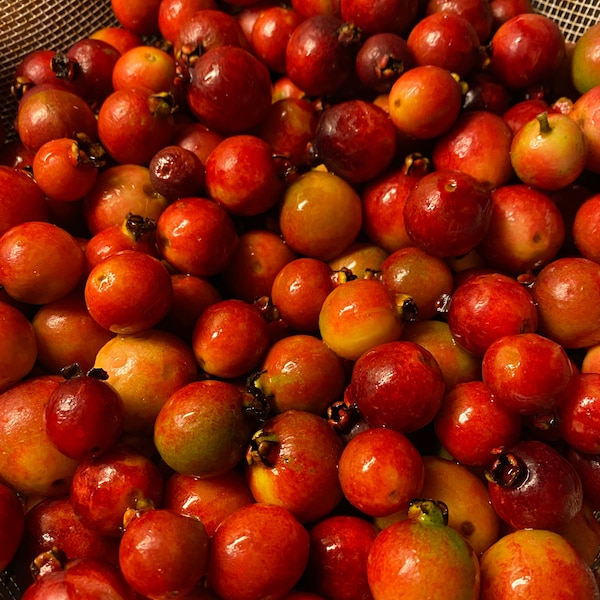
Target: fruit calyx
<point>46,562</point>
<point>406,307</point>
<point>141,506</point>
<point>428,511</point>
<point>263,448</point>
<point>507,470</point>
<point>342,416</point>
<point>256,403</point>
<point>137,226</point>
<point>74,371</point>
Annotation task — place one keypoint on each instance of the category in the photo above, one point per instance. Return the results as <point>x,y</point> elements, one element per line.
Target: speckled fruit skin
<point>260,551</point>
<point>533,564</point>
<point>398,385</point>
<point>446,566</point>
<point>298,469</point>
<point>202,428</point>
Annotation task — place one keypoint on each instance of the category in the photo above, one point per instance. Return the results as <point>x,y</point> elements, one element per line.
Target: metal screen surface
<point>572,16</point>
<point>51,24</point>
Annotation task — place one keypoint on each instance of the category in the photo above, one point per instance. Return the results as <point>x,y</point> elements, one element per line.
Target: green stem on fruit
<point>141,506</point>
<point>507,470</point>
<point>542,119</point>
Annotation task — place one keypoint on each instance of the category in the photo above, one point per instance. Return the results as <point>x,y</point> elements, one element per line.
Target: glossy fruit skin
<point>546,493</point>
<point>584,61</point>
<point>202,429</point>
<point>52,523</point>
<point>355,140</point>
<point>578,413</point>
<point>12,521</point>
<point>21,198</point>
<point>299,290</point>
<point>100,579</point>
<point>447,40</point>
<point>564,291</point>
<point>398,385</point>
<point>243,176</point>
<point>383,203</point>
<point>292,462</point>
<point>447,213</point>
<point>149,561</point>
<point>197,236</point>
<point>210,499</point>
<point>424,102</point>
<point>359,315</point>
<point>270,34</point>
<point>468,146</point>
<point>176,172</point>
<point>132,361</point>
<point>527,372</point>
<point>230,339</point>
<point>258,257</point>
<point>63,171</point>
<point>549,152</point>
<point>116,304</point>
<point>320,215</point>
<point>337,565</point>
<point>585,233</point>
<point>36,468</point>
<point>328,70</point>
<point>18,348</point>
<point>53,113</point>
<point>457,365</point>
<point>526,230</point>
<point>39,262</point>
<point>425,278</point>
<point>487,307</point>
<point>380,471</point>
<point>471,424</point>
<point>522,34</point>
<point>145,66</point>
<point>236,569</point>
<point>229,90</point>
<point>289,127</point>
<point>300,372</point>
<point>105,487</point>
<point>84,416</point>
<point>447,565</point>
<point>541,561</point>
<point>134,123</point>
<point>467,499</point>
<point>119,190</point>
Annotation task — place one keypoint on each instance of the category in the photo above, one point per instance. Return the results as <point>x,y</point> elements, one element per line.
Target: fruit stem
<point>542,119</point>
<point>507,470</point>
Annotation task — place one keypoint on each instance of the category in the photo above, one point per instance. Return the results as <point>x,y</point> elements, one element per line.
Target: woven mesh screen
<point>572,16</point>
<point>54,24</point>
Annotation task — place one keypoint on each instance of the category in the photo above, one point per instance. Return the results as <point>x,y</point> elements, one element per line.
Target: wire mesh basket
<point>55,24</point>
<point>572,16</point>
